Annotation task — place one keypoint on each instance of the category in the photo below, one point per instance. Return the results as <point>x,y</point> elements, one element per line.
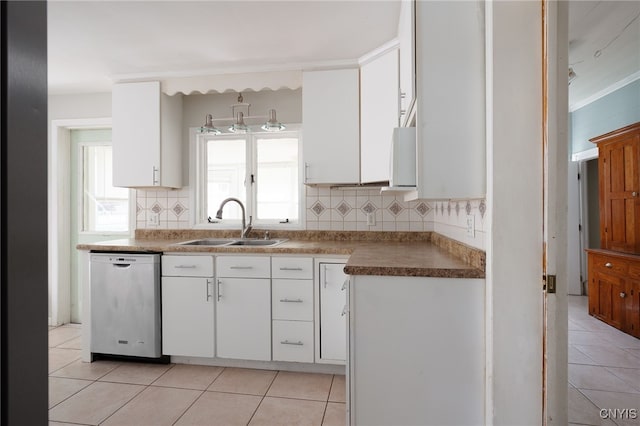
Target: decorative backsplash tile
<point>348,210</point>
<point>171,206</point>
<point>450,219</point>
<point>341,210</point>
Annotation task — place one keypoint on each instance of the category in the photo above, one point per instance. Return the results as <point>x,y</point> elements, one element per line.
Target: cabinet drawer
<point>243,266</point>
<point>292,267</point>
<point>293,341</point>
<point>292,300</point>
<point>187,266</point>
<point>609,264</point>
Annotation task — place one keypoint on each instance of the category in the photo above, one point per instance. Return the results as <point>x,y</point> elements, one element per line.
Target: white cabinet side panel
<point>378,114</point>
<point>423,338</point>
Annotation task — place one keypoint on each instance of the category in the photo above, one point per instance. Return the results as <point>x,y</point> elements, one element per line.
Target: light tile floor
<point>123,393</point>
<point>604,369</point>
<point>604,372</point>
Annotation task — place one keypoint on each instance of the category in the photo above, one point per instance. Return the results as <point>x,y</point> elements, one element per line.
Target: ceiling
<point>604,46</point>
<point>93,43</point>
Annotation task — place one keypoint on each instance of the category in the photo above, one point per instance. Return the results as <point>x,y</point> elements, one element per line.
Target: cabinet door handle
<point>306,172</point>
<point>284,268</point>
<point>155,176</point>
<point>291,300</point>
<point>241,267</point>
<point>344,311</point>
<point>208,293</point>
<point>609,265</point>
<point>286,342</point>
<point>623,295</point>
<point>634,194</point>
<point>219,293</point>
<point>185,266</point>
<point>345,284</point>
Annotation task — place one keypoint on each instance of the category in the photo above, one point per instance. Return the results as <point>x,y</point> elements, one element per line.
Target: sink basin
<point>212,242</point>
<point>207,242</point>
<point>257,243</point>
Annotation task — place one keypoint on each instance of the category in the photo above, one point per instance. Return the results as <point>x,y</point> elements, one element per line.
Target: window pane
<point>226,173</point>
<point>106,208</point>
<point>277,179</point>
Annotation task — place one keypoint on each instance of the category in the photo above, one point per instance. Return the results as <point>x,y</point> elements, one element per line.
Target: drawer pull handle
<point>286,342</point>
<point>608,265</point>
<point>291,300</point>
<point>284,268</point>
<point>634,194</point>
<point>623,295</point>
<point>185,266</point>
<point>241,267</point>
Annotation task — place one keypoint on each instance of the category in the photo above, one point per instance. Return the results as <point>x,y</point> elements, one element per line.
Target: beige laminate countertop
<point>369,257</point>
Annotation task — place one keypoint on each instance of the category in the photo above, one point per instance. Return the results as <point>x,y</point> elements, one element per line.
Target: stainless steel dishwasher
<point>125,304</point>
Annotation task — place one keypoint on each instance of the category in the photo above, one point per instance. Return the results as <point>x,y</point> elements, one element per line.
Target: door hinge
<point>578,176</point>
<point>253,178</point>
<point>579,227</point>
<point>549,283</point>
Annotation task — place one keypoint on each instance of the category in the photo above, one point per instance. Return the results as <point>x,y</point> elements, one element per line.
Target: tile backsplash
<point>340,210</point>
<point>172,205</point>
<point>450,220</point>
<point>347,210</point>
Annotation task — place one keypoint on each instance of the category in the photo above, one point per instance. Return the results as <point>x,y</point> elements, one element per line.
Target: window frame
<point>81,167</point>
<point>197,177</point>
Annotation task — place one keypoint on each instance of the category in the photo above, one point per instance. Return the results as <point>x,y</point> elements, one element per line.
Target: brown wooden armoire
<point>614,269</point>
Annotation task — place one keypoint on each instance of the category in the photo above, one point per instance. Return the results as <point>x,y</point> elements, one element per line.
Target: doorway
<point>99,211</point>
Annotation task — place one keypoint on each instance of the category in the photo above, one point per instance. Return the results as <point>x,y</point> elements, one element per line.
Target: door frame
<point>59,222</point>
<point>555,201</point>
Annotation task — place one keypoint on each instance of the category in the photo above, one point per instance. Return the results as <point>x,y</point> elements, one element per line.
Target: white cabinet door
<point>147,148</point>
<point>406,36</point>
<point>331,126</point>
<point>187,316</point>
<point>450,115</point>
<point>378,115</point>
<point>333,321</point>
<point>243,318</point>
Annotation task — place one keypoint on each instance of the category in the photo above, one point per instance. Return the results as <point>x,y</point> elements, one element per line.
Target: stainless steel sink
<point>208,242</point>
<point>257,243</point>
<point>212,242</point>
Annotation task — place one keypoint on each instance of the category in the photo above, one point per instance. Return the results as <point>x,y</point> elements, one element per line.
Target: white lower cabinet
<point>292,307</point>
<point>243,308</point>
<point>187,306</point>
<point>332,319</point>
<point>293,341</point>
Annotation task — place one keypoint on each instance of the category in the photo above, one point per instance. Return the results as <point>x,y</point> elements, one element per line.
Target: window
<point>105,208</point>
<point>260,169</point>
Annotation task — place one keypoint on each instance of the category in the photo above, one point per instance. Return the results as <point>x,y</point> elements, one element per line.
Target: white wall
<point>91,105</point>
<point>64,107</point>
<point>514,246</point>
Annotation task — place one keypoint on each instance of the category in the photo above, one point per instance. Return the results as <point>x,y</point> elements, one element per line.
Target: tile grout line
<point>199,396</point>
<point>263,397</point>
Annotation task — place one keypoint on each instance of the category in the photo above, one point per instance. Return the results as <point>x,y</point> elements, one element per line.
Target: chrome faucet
<point>245,228</point>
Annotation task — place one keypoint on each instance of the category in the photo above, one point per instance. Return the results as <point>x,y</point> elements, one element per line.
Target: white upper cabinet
<point>450,115</point>
<point>406,37</point>
<point>331,123</point>
<point>379,112</point>
<point>147,136</point>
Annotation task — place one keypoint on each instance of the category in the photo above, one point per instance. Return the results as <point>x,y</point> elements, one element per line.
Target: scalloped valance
<point>242,82</point>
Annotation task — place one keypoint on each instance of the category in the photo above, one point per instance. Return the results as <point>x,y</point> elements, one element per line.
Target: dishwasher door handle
<point>121,265</point>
